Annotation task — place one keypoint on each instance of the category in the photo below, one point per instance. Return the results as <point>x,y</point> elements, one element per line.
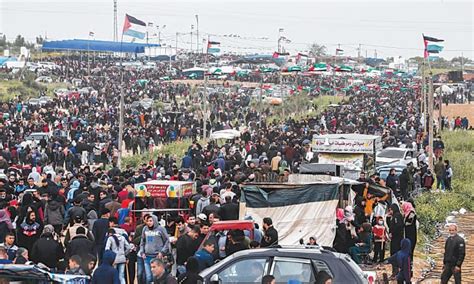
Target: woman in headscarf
<point>345,232</point>
<point>363,242</point>
<point>410,224</point>
<point>396,229</point>
<point>5,224</point>
<point>402,261</point>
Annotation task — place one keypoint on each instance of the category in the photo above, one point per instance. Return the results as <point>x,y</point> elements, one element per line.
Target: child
<point>75,266</point>
<point>401,260</point>
<point>380,237</point>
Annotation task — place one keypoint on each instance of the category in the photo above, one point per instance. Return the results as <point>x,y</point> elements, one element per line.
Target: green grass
<point>435,206</point>
<point>176,149</point>
<point>26,89</point>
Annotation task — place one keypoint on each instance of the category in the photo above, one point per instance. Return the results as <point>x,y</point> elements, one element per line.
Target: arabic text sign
<point>343,145</point>
<point>163,190</point>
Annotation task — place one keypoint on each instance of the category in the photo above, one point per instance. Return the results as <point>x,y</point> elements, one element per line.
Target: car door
<point>285,269</point>
<point>246,270</point>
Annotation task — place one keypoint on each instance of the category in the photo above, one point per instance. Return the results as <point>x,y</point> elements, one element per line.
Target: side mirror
<point>214,279</point>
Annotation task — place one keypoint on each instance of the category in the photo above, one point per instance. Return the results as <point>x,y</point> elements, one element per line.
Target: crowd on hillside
<point>66,194</point>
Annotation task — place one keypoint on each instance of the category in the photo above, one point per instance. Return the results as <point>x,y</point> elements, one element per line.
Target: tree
<point>19,41</point>
<point>317,50</point>
<point>460,60</point>
<point>39,40</point>
<point>3,41</point>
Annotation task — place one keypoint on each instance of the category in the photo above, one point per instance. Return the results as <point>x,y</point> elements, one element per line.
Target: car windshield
<point>391,154</point>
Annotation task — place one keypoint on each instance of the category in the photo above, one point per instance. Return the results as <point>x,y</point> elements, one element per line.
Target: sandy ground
<point>458,110</point>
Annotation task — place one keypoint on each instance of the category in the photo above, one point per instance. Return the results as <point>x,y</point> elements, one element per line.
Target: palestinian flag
<point>278,54</point>
<point>134,27</point>
<point>294,211</point>
<point>301,56</point>
<point>434,48</point>
<point>213,47</point>
<point>432,39</point>
<point>431,48</point>
<point>339,51</point>
<point>320,67</point>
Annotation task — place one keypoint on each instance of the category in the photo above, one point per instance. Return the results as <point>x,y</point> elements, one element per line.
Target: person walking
<point>117,243</point>
<point>448,175</point>
<point>440,171</point>
<point>402,261</point>
<point>454,253</point>
<point>154,243</point>
<point>106,273</point>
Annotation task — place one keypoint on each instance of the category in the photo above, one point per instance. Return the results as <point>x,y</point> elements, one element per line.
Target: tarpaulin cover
<point>96,45</point>
<point>303,212</point>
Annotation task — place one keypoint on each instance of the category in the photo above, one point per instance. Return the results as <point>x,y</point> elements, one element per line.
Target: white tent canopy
<point>225,134</point>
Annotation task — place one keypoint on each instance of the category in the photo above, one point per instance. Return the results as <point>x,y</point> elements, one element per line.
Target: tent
<point>96,45</point>
<point>444,89</point>
<point>225,134</point>
<point>295,209</point>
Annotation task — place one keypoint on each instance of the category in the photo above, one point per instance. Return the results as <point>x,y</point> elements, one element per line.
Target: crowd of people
<point>67,195</point>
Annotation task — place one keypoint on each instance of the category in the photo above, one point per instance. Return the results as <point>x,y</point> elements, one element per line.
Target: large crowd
<point>65,202</point>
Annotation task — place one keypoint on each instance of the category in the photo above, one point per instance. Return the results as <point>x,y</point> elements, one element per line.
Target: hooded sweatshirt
<point>54,213</point>
<point>118,244</point>
<point>402,260</point>
<point>106,273</point>
<point>154,240</point>
<point>202,202</point>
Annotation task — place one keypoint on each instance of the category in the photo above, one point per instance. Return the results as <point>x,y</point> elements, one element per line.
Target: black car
<point>300,264</point>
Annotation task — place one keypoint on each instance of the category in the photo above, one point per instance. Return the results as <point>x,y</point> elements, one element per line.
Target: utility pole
<point>423,95</point>
<point>176,46</point>
<point>440,100</point>
<point>358,52</point>
<point>197,33</point>
<point>192,27</point>
<point>205,100</point>
<point>430,120</point>
<point>375,54</point>
<point>115,21</point>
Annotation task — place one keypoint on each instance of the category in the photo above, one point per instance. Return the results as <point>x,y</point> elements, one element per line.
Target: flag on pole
<point>150,24</point>
<point>134,27</point>
<point>339,51</point>
<point>432,39</point>
<point>301,57</point>
<point>213,47</point>
<point>431,48</point>
<point>281,30</point>
<point>278,54</point>
<point>91,34</point>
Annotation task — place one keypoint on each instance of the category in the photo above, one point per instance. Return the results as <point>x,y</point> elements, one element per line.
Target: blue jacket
<point>106,273</point>
<point>204,259</point>
<point>402,260</point>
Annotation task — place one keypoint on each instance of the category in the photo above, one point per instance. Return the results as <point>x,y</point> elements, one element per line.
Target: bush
<point>434,207</point>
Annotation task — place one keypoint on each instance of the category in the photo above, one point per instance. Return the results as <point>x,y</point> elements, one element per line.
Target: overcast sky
<point>389,28</point>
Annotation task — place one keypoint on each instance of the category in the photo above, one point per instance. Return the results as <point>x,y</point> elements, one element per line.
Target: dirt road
<point>466,227</point>
<point>458,110</point>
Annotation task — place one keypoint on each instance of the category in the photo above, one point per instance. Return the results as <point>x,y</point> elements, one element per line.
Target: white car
<point>44,79</point>
<point>392,155</point>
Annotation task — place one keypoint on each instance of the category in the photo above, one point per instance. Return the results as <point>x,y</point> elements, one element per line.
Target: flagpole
<point>430,115</point>
<point>121,110</point>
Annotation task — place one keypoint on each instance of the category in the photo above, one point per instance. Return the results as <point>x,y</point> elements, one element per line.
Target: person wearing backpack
<point>117,243</point>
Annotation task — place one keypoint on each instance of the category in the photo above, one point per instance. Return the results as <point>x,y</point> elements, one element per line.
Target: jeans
<point>148,275</point>
<point>121,271</point>
<point>440,182</point>
<point>140,270</point>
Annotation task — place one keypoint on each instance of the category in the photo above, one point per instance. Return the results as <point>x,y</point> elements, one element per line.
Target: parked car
<point>384,171</point>
<point>300,263</point>
<point>392,155</point>
<point>44,79</point>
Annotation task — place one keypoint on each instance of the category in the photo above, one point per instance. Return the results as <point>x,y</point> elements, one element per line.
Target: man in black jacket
<point>99,229</point>
<point>186,247</point>
<point>46,249</point>
<point>270,238</point>
<point>80,245</point>
<point>229,210</point>
<point>454,252</point>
